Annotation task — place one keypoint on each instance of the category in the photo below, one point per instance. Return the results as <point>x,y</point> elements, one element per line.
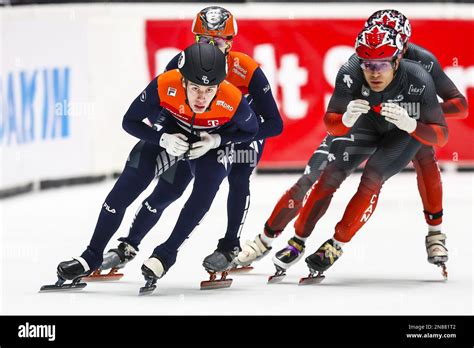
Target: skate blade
<point>146,290</point>
<point>47,288</point>
<point>99,276</point>
<point>215,284</point>
<point>275,279</point>
<point>241,269</point>
<point>444,271</point>
<point>103,277</point>
<point>311,280</point>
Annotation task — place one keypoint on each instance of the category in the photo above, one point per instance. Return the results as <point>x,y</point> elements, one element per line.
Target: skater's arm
<point>333,123</point>
<point>146,105</point>
<point>346,82</point>
<point>265,106</point>
<point>431,128</point>
<point>336,109</point>
<point>454,104</point>
<point>431,134</point>
<point>243,126</point>
<point>173,63</point>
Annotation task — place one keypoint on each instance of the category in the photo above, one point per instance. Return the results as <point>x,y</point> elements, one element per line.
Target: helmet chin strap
<point>186,93</point>
<point>227,50</point>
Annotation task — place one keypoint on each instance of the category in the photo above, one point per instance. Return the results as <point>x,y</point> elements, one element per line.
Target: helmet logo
<point>399,42</point>
<point>387,21</point>
<point>365,91</point>
<point>407,28</point>
<point>378,37</point>
<point>205,79</point>
<point>143,96</point>
<point>181,60</point>
<point>214,18</point>
<point>392,19</point>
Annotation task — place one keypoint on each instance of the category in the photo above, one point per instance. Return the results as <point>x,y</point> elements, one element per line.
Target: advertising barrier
<point>301,57</point>
<point>69,72</point>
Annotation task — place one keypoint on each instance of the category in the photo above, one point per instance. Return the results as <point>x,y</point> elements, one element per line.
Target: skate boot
<point>73,270</point>
<point>286,258</point>
<point>320,261</point>
<point>435,243</point>
<point>114,259</point>
<point>253,250</point>
<point>152,269</point>
<point>219,261</point>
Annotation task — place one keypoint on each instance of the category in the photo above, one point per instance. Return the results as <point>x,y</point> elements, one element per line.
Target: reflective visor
<point>377,65</point>
<point>213,40</point>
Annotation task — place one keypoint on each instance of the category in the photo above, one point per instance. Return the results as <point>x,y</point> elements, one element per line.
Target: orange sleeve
<point>334,125</point>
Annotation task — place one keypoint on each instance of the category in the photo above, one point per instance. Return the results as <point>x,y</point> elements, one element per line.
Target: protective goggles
<point>377,65</point>
<point>213,40</point>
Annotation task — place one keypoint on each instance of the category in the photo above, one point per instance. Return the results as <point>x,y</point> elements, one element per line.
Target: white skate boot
<point>253,250</point>
<point>152,269</point>
<point>435,243</point>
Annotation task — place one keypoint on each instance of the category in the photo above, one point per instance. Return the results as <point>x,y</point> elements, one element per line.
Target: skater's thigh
<point>211,169</point>
<point>143,157</point>
<point>394,152</point>
<point>347,152</point>
<point>182,176</point>
<point>245,159</point>
<point>426,154</point>
<point>317,162</point>
<point>139,170</point>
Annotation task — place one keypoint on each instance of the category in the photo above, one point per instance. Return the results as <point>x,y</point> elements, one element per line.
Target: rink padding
<point>459,169</point>
<point>14,191</point>
<point>58,183</point>
<point>48,184</point>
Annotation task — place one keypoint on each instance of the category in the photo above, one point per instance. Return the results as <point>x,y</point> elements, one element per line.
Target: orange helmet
<point>215,21</point>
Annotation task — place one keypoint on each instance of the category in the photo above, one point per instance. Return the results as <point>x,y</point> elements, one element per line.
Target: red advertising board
<point>301,57</point>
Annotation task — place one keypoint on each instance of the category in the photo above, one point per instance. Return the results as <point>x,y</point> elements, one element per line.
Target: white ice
<point>383,269</point>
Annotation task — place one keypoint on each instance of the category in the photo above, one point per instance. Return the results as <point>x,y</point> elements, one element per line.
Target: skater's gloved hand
<point>397,115</point>
<point>207,142</point>
<point>175,144</point>
<point>354,109</point>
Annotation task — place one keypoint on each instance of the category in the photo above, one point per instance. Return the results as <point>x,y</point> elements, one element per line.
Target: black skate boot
<point>73,270</point>
<point>285,258</point>
<point>435,243</point>
<point>219,261</point>
<point>320,261</point>
<point>114,259</point>
<point>152,269</point>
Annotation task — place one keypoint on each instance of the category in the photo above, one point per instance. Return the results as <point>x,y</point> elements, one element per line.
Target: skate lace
<point>129,251</point>
<point>295,246</point>
<point>331,252</point>
<point>290,249</point>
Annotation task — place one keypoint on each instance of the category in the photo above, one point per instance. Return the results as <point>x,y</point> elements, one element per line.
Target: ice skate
<point>320,261</point>
<point>240,269</point>
<point>114,259</point>
<point>218,262</point>
<point>285,258</point>
<point>253,250</point>
<point>73,270</point>
<point>152,270</point>
<point>99,276</point>
<point>435,243</point>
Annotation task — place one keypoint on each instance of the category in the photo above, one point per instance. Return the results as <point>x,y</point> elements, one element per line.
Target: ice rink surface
<point>383,269</point>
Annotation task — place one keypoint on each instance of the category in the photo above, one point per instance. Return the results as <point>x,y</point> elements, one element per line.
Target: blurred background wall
<point>69,71</point>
